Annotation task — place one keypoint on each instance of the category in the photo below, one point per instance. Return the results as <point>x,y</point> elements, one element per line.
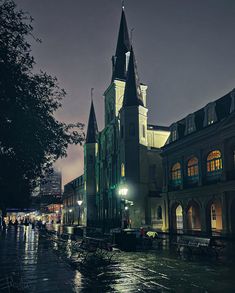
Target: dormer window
<point>190,125</point>
<point>210,114</point>
<point>174,134</point>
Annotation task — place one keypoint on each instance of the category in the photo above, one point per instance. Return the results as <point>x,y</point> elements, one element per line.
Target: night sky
<point>185,53</point>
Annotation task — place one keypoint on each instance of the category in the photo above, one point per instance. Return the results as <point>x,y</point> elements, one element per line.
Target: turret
<point>90,155</point>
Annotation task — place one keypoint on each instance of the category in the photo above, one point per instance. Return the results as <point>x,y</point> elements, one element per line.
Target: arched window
<point>159,213</point>
<point>176,177</point>
<point>192,169</point>
<point>214,163</point>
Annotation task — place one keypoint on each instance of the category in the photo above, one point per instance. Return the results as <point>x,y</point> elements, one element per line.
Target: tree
<point>31,138</point>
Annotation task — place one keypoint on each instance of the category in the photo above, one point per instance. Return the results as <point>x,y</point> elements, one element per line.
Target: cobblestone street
<point>34,262</point>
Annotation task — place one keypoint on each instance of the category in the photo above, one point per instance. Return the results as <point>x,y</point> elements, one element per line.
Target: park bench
<point>97,247</point>
<point>194,245</point>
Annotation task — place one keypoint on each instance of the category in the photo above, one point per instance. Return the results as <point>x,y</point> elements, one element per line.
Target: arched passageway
<point>177,217</point>
<point>193,217</point>
<point>215,216</point>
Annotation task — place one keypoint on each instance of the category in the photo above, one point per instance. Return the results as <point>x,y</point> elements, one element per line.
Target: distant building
<point>51,185</point>
<point>50,190</point>
<point>199,170</point>
<point>74,206</point>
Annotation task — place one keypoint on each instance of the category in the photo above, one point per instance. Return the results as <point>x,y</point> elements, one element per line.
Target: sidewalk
<point>26,259</point>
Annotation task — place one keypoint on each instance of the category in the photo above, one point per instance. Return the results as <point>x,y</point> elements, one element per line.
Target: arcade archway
<point>193,216</point>
<point>177,217</point>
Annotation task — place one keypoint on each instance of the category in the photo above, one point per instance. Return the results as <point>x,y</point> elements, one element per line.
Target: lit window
<point>176,174</point>
<point>214,163</point>
<point>122,170</point>
<point>192,169</point>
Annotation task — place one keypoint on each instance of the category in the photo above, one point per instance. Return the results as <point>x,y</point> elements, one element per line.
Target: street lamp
<point>122,192</point>
<point>79,210</point>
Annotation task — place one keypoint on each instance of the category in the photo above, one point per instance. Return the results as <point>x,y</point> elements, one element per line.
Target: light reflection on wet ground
<point>39,263</point>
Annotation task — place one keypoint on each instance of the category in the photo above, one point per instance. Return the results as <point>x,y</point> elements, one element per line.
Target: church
<point>122,163</point>
<point>178,179</point>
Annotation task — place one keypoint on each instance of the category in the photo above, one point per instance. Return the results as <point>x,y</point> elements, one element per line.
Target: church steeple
<point>123,46</point>
<point>132,94</point>
<point>92,129</point>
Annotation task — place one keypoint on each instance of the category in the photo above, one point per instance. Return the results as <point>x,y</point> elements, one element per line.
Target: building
<point>51,184</point>
<point>122,163</point>
<point>176,179</point>
<point>73,202</point>
<point>199,170</point>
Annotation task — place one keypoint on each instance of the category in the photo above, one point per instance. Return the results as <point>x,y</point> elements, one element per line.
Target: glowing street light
<point>79,202</point>
<point>123,190</point>
<point>70,210</point>
<point>79,210</point>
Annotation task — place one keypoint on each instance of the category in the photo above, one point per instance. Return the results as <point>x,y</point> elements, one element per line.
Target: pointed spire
<point>123,46</point>
<point>132,94</point>
<point>92,129</point>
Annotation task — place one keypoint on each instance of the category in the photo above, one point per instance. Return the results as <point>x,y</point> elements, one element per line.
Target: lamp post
<point>122,192</point>
<point>79,210</point>
<point>70,219</point>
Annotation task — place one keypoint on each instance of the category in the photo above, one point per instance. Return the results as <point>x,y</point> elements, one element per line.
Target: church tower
<point>90,155</point>
<point>133,124</point>
<point>114,93</point>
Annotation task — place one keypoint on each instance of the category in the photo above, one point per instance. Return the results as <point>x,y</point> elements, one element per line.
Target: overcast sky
<point>185,53</point>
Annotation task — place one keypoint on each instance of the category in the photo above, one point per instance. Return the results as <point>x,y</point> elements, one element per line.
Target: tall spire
<point>92,129</point>
<point>132,94</point>
<point>123,46</point>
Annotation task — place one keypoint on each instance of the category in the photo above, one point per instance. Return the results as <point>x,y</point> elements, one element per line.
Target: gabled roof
<point>123,46</point>
<point>92,129</point>
<point>132,94</point>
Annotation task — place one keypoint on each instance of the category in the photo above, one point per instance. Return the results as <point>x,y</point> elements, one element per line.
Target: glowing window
<point>176,174</point>
<point>192,169</point>
<point>122,170</point>
<point>214,163</point>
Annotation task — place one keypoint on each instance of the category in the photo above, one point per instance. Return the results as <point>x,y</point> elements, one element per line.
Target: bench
<point>193,244</point>
<point>97,247</point>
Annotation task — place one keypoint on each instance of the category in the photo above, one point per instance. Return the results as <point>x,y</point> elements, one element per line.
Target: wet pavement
<point>34,261</point>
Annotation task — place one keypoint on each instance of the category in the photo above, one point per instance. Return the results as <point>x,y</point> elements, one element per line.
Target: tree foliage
<point>31,138</point>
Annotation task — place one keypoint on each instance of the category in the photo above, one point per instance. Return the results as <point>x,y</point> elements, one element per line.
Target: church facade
<point>177,179</point>
<point>122,163</point>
